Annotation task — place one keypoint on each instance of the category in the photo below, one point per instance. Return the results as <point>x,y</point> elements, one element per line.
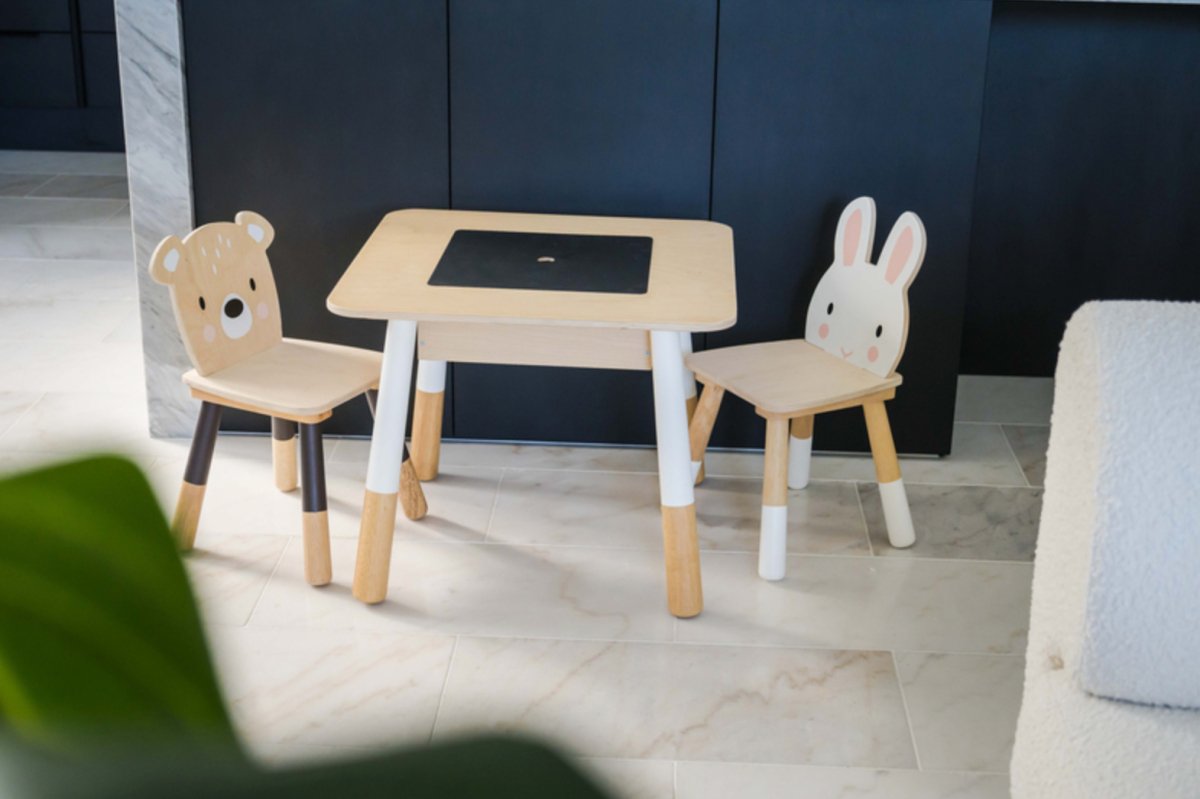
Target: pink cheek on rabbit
<point>873,354</point>
<point>823,331</point>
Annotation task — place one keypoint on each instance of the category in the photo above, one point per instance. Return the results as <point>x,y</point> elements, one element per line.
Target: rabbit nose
<point>233,308</point>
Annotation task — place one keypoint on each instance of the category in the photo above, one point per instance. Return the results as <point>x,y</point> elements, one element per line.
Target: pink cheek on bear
<point>823,331</point>
<point>262,310</point>
<point>873,354</point>
<point>210,334</point>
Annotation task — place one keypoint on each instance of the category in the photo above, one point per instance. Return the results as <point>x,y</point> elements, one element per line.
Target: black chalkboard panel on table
<point>545,261</point>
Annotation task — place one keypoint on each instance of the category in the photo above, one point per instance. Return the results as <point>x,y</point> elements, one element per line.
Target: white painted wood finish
<point>670,421</point>
<point>391,408</point>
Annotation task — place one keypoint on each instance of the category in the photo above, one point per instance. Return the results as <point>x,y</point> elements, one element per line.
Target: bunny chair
<point>854,336</point>
<point>227,309</point>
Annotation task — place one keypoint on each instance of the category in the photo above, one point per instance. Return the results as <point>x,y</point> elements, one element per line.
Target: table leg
<point>383,467</point>
<point>689,392</point>
<point>427,417</point>
<point>681,547</point>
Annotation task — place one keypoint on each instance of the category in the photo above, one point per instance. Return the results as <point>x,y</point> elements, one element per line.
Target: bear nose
<point>233,308</point>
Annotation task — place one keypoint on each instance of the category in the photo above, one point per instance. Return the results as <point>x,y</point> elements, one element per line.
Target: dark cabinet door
<point>574,106</point>
<point>819,102</point>
<point>322,117</point>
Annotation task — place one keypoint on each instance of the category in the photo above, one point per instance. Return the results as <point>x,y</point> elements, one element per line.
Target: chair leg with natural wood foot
<point>428,407</point>
<point>318,567</point>
<point>772,543</point>
<point>283,453</point>
<point>700,426</point>
<point>195,476</point>
<point>800,451</point>
<point>896,513</point>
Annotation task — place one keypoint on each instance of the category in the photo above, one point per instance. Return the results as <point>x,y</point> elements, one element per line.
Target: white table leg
<point>681,547</point>
<point>427,417</point>
<point>383,467</point>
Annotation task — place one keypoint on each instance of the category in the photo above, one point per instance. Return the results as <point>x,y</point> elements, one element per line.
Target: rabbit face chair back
<point>859,311</point>
<point>222,289</point>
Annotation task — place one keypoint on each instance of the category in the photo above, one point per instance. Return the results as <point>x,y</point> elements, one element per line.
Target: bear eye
<point>202,303</point>
<point>252,286</point>
<point>878,331</point>
<point>829,308</point>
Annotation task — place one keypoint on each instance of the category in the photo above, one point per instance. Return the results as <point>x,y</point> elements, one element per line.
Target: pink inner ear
<point>900,254</point>
<point>851,237</point>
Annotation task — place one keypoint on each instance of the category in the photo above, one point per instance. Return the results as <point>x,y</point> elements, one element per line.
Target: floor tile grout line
<point>912,736</point>
<point>862,513</point>
<point>50,179</point>
<point>487,528</point>
<point>267,582</point>
<point>41,395</point>
<point>445,684</point>
<point>1013,453</point>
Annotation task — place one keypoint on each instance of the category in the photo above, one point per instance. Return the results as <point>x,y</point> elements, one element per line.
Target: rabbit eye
<point>252,286</point>
<point>878,331</point>
<point>202,306</point>
<point>829,309</point>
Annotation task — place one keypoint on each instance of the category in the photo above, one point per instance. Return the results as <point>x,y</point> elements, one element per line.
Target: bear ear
<point>855,233</point>
<point>904,250</point>
<point>168,260</point>
<point>257,227</point>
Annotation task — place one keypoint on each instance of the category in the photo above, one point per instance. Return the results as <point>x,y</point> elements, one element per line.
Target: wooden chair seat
<point>302,381</point>
<point>789,378</point>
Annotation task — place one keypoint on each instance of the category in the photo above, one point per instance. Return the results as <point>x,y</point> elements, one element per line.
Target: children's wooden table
<point>601,292</point>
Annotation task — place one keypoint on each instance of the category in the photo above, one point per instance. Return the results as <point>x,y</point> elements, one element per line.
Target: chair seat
<point>787,378</point>
<point>298,380</point>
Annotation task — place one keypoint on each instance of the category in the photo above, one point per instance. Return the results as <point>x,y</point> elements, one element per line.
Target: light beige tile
<point>57,241</point>
<point>75,423</point>
<point>979,456</point>
<point>113,187</point>
<point>13,405</point>
<point>19,185</point>
<point>977,522</point>
<point>229,576</point>
<point>963,708</point>
<point>669,701</point>
<point>56,281</point>
<point>631,779</point>
<point>483,589</point>
<point>864,603</point>
<point>46,211</point>
<point>623,510</point>
<point>1029,444</point>
<point>723,780</point>
<point>339,688</point>
<point>1008,400</point>
<point>27,318</point>
<point>56,162</point>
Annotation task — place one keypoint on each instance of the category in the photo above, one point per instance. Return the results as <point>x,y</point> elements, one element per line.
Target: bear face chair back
<point>855,333</point>
<point>227,309</point>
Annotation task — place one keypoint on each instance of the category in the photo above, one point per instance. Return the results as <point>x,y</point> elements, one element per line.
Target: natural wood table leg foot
<point>373,561</point>
<point>385,464</point>
<point>428,407</point>
<point>685,596</point>
<point>195,476</point>
<point>412,496</point>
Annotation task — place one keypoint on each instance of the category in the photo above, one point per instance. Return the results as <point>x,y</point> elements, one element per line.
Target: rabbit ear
<point>904,250</point>
<point>855,233</point>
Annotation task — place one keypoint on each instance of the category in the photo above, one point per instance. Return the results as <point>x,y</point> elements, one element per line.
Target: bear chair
<point>854,336</point>
<point>227,309</point>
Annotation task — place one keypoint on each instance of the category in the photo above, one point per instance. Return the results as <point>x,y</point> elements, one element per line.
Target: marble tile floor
<point>531,598</point>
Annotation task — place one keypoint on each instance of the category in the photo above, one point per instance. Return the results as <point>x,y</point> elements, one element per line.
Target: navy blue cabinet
<point>574,106</point>
<point>323,119</point>
<point>822,101</point>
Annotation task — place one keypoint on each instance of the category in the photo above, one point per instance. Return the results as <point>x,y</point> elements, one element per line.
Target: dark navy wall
<point>1089,173</point>
<point>1049,147</point>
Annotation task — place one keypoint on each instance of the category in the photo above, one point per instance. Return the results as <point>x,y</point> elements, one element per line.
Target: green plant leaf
<point>99,635</point>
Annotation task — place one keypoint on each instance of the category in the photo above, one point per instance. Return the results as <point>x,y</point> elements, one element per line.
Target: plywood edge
<point>534,345</point>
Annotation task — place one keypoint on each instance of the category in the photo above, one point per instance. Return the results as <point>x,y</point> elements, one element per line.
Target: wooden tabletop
<point>691,275</point>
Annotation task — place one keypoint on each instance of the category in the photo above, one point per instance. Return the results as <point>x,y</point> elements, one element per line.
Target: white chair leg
<point>800,452</point>
<point>772,542</point>
<point>896,514</point>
